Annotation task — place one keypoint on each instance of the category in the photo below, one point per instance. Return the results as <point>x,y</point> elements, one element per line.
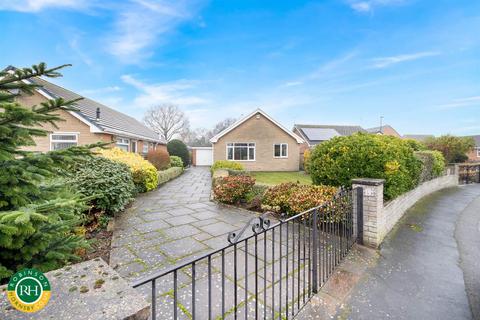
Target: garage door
<point>204,157</point>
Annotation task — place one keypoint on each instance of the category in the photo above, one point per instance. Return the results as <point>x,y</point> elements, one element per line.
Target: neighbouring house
<point>315,134</point>
<point>417,137</point>
<point>259,143</point>
<point>385,129</point>
<point>474,155</point>
<point>92,122</point>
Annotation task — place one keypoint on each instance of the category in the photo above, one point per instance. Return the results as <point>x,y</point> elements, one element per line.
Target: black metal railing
<point>269,269</point>
<point>469,173</point>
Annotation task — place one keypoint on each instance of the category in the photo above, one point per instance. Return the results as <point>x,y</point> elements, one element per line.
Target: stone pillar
<point>373,217</point>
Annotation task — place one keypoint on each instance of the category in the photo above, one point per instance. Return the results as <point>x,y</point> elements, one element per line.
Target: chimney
<point>98,114</point>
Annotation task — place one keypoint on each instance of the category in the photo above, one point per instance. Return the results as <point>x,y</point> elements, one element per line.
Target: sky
<point>416,63</point>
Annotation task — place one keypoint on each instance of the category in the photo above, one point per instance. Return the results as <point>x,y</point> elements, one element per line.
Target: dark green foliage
<point>337,161</point>
<point>454,149</point>
<point>433,164</point>
<point>177,148</point>
<point>38,213</point>
<point>169,174</point>
<point>415,145</point>
<point>109,182</point>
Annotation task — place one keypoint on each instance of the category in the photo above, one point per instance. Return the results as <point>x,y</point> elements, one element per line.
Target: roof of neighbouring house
<point>242,120</point>
<point>315,134</point>
<point>477,140</point>
<point>110,121</point>
<point>418,137</point>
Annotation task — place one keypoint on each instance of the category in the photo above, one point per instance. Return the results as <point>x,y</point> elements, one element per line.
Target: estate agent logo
<point>28,290</point>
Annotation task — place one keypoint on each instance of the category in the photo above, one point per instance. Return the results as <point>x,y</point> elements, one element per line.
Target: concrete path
<point>171,224</point>
<point>429,264</point>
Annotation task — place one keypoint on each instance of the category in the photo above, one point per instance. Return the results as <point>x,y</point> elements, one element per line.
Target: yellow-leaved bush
<point>144,173</point>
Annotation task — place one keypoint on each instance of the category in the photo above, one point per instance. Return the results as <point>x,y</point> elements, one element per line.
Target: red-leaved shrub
<point>159,158</point>
<point>294,198</point>
<point>232,189</point>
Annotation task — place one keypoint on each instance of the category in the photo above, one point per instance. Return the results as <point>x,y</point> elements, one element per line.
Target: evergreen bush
<point>176,161</point>
<point>225,164</point>
<point>433,164</point>
<point>177,148</point>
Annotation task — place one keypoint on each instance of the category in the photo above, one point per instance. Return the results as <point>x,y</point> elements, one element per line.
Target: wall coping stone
<point>368,181</point>
<point>89,290</point>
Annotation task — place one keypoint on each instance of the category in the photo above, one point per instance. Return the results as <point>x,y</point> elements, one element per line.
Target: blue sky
<point>414,62</point>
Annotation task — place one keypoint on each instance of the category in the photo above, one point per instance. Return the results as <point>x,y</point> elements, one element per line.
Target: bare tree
<point>168,120</point>
<point>200,137</point>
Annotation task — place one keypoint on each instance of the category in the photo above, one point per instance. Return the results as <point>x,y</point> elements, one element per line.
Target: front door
<point>133,146</point>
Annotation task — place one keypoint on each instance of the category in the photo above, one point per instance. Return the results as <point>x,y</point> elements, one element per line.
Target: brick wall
<point>380,218</point>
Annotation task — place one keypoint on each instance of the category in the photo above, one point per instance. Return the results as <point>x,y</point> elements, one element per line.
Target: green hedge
<point>225,164</point>
<point>177,148</point>
<point>337,161</point>
<point>169,174</point>
<point>176,161</point>
<point>110,183</point>
<point>433,164</point>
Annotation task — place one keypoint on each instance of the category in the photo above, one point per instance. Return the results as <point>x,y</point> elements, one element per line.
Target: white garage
<point>202,156</point>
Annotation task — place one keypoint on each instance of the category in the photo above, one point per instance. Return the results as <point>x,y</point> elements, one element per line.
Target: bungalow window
<point>123,143</point>
<point>280,150</point>
<point>241,151</point>
<point>59,141</point>
<point>145,147</point>
<point>478,152</point>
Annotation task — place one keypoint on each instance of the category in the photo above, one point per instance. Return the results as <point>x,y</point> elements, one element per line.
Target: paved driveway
<point>173,223</point>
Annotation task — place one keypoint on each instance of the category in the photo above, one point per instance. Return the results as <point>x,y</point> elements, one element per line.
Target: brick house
<point>259,143</point>
<point>92,122</point>
<point>386,130</point>
<point>315,134</point>
<point>474,155</point>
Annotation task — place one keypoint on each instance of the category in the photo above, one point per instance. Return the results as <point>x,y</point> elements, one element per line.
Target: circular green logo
<point>28,290</point>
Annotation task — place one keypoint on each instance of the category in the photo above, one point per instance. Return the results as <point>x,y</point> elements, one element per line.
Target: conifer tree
<point>38,213</point>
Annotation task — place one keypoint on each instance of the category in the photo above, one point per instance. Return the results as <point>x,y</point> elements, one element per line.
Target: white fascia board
<point>131,135</point>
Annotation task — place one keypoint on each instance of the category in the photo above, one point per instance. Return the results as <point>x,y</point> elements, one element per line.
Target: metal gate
<point>268,270</point>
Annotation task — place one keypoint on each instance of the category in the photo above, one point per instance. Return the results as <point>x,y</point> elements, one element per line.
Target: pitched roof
<point>110,121</point>
<point>418,137</point>
<point>380,129</point>
<point>239,122</point>
<point>315,134</point>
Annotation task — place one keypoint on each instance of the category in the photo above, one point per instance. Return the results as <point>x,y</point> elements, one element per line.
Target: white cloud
<point>140,24</point>
<point>38,5</point>
<point>365,6</point>
<point>461,103</point>
<point>384,62</point>
<point>169,92</point>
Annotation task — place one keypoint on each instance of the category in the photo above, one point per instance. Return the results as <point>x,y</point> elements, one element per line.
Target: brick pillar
<point>373,217</point>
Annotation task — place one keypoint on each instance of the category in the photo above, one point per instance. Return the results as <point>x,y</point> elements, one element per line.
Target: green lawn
<point>274,178</point>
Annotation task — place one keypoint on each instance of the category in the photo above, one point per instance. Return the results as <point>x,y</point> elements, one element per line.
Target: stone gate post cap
<point>368,181</point>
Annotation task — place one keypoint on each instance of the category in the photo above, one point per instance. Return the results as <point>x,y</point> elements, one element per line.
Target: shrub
<point>294,198</point>
<point>415,145</point>
<point>233,189</point>
<point>453,148</point>
<point>159,158</point>
<point>225,164</point>
<point>178,148</point>
<point>143,172</point>
<point>306,160</point>
<point>176,161</point>
<point>433,164</point>
<point>109,182</point>
<point>169,174</point>
<point>337,161</point>
<point>254,197</point>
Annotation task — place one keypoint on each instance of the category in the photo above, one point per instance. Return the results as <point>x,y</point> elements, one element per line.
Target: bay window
<point>240,151</point>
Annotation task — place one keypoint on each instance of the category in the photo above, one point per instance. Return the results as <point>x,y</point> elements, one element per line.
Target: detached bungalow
<point>91,123</point>
<point>259,143</point>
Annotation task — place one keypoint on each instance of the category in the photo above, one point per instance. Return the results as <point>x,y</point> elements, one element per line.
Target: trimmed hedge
<point>177,148</point>
<point>143,172</point>
<point>110,182</point>
<point>169,174</point>
<point>233,189</point>
<point>337,161</point>
<point>306,160</point>
<point>159,158</point>
<point>225,164</point>
<point>293,198</point>
<point>176,161</point>
<point>433,164</point>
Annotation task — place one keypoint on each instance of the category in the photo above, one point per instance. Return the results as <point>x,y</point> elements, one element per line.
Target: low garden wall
<point>379,217</point>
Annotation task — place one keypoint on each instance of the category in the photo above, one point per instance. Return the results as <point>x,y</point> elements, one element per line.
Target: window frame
<point>145,144</point>
<point>132,143</point>
<point>478,152</point>
<point>123,143</point>
<point>280,156</point>
<point>231,145</point>
<point>51,141</point>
